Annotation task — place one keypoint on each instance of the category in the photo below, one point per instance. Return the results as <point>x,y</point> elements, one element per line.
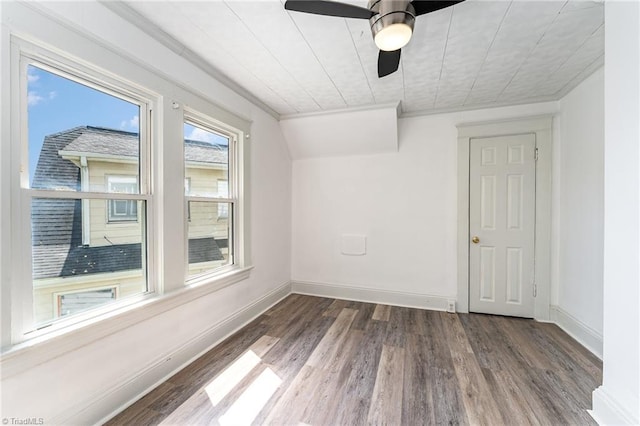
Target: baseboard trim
<point>607,411</point>
<point>369,295</point>
<point>163,367</point>
<point>582,333</point>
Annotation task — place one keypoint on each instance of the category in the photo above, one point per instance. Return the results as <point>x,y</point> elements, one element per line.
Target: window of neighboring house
<point>80,301</point>
<point>209,154</point>
<point>76,177</point>
<point>122,210</point>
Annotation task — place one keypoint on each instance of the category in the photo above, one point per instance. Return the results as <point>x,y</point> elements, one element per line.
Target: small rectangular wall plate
<point>353,245</point>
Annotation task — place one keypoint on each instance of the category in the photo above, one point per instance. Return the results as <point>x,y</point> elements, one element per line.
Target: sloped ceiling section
<point>475,54</point>
<point>341,133</point>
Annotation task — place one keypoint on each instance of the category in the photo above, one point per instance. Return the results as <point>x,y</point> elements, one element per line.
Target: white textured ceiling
<point>474,54</point>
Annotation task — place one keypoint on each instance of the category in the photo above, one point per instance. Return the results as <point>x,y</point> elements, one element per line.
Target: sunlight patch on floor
<point>231,376</point>
<point>245,409</point>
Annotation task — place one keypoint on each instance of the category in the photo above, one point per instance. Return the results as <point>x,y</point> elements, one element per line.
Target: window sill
<point>40,349</point>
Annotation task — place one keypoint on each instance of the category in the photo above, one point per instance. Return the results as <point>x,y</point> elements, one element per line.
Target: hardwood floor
<point>318,361</point>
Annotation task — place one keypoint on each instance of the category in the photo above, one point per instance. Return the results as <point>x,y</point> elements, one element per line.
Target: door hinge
<point>535,156</point>
<point>535,289</point>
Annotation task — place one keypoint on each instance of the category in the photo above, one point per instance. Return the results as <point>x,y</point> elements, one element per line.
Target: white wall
<point>578,209</point>
<point>344,132</point>
<point>404,203</point>
<point>84,384</point>
<point>617,401</point>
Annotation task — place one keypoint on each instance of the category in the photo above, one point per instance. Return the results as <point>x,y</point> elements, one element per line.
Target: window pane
<point>206,161</point>
<point>76,250</point>
<point>77,134</point>
<point>209,238</point>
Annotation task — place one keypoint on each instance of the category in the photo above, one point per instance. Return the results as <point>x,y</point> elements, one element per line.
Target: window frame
<point>23,54</point>
<point>198,119</point>
<point>90,61</point>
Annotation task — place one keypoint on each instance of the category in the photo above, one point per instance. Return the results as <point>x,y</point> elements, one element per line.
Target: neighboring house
<point>88,252</point>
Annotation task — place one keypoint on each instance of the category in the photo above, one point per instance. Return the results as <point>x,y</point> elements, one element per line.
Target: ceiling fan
<point>391,22</point>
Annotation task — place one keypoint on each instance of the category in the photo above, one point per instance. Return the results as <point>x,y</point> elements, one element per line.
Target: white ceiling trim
<point>424,113</point>
<point>582,76</point>
<point>396,105</point>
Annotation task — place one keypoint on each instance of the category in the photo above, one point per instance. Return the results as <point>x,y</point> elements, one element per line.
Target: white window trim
<point>66,336</point>
<point>24,53</point>
<point>234,189</point>
<point>51,343</point>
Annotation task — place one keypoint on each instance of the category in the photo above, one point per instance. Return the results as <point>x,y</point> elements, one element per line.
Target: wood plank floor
<point>319,361</point>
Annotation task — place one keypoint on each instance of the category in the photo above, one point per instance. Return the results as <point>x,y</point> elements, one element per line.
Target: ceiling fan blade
<point>328,8</point>
<point>388,62</point>
<point>428,6</point>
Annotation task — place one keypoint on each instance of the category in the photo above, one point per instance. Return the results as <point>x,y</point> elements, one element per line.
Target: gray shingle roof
<point>52,172</point>
<point>98,140</point>
<point>57,223</point>
<point>204,152</point>
<point>205,249</point>
<point>66,260</point>
<point>123,144</point>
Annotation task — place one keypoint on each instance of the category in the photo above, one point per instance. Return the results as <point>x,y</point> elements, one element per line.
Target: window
<point>208,154</point>
<point>122,210</point>
<point>80,301</point>
<point>81,179</point>
<point>92,194</point>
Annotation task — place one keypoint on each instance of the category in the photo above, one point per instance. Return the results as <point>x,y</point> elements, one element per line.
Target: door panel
<point>487,273</point>
<point>502,217</point>
<point>514,275</point>
<point>488,203</point>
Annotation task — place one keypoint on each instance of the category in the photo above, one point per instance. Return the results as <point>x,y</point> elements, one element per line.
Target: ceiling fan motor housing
<point>390,12</point>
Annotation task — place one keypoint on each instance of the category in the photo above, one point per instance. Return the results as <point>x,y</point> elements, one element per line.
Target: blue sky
<point>56,104</point>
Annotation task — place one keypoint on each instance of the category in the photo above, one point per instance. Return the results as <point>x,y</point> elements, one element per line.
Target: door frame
<point>542,127</point>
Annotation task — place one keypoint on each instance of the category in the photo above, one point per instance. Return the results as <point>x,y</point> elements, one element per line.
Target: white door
<point>502,225</point>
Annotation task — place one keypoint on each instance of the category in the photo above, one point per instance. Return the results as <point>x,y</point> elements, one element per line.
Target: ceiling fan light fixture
<point>392,23</point>
<point>393,37</point>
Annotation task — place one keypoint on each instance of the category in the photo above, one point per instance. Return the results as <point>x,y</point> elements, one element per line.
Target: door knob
<point>475,240</point>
